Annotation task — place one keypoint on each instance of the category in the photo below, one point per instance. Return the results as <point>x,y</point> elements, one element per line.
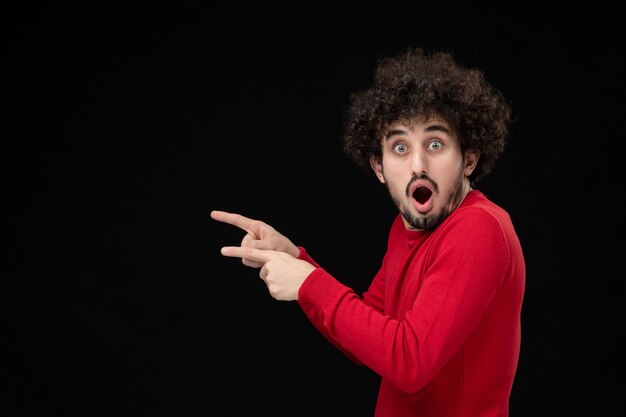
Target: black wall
<point>127,124</point>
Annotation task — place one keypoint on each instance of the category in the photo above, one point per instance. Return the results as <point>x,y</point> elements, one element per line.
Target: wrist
<point>294,251</point>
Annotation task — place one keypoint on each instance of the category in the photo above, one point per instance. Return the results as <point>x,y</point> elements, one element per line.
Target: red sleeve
<point>375,294</point>
<point>464,268</point>
<point>306,257</point>
<point>316,319</point>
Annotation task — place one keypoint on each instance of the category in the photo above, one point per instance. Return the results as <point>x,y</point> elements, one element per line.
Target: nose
<point>418,163</point>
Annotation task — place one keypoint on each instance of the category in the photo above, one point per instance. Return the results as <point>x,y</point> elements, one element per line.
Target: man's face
<point>424,171</point>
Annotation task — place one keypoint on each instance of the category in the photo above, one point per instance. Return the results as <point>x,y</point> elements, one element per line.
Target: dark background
<point>127,124</point>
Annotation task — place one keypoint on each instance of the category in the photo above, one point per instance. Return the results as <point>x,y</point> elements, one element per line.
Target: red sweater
<point>440,322</point>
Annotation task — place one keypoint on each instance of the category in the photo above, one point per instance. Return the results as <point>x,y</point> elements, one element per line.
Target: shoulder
<point>478,210</point>
<point>478,221</point>
<point>478,226</point>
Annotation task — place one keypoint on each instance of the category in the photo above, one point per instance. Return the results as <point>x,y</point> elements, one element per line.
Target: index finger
<point>256,255</point>
<point>249,225</point>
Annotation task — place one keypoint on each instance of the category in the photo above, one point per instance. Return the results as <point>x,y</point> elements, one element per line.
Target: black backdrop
<point>127,124</point>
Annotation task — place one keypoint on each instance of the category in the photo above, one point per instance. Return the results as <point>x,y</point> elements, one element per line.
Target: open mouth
<point>422,194</point>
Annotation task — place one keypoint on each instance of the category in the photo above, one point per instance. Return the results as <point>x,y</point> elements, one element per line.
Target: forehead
<point>421,125</point>
<point>418,124</point>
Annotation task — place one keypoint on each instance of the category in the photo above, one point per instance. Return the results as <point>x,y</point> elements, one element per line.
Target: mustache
<point>421,176</point>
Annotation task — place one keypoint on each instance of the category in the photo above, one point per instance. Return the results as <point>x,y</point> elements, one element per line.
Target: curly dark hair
<point>416,85</point>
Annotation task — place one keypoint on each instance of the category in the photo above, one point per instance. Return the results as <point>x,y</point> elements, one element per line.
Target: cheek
<point>394,166</point>
<point>393,175</point>
<point>397,181</point>
<point>449,179</point>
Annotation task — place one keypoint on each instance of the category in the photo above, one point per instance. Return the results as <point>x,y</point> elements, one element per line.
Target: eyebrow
<point>431,128</point>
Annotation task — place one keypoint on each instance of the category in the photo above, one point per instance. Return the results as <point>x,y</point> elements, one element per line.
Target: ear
<point>377,167</point>
<point>471,160</point>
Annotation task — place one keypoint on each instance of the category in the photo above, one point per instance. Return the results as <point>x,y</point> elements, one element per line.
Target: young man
<point>440,321</point>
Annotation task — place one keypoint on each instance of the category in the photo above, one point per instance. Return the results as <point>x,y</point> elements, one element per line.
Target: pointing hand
<point>283,274</point>
<point>259,235</point>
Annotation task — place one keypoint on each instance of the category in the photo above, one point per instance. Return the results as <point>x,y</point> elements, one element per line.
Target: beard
<point>430,220</point>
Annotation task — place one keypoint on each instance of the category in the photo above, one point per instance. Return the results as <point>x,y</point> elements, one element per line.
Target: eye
<point>435,145</point>
<point>400,148</point>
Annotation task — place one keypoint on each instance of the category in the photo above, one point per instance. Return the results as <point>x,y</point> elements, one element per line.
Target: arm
<point>373,297</point>
<point>318,320</point>
<point>462,276</point>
